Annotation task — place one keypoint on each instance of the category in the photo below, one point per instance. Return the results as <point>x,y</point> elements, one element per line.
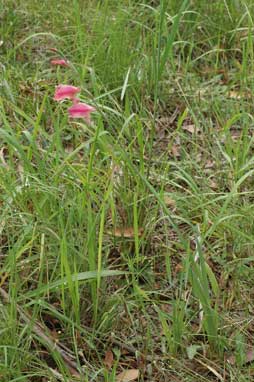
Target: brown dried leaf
<point>128,375</point>
<point>175,149</point>
<point>191,128</point>
<point>178,268</point>
<point>127,232</point>
<point>109,359</point>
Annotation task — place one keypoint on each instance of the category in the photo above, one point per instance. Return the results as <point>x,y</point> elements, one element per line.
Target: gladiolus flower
<point>81,110</point>
<point>59,62</point>
<point>65,91</point>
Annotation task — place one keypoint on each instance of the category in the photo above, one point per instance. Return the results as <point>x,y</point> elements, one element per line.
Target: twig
<point>56,374</point>
<point>40,331</point>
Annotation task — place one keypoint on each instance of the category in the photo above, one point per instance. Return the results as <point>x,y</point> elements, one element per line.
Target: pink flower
<point>59,62</point>
<point>81,110</point>
<point>65,91</point>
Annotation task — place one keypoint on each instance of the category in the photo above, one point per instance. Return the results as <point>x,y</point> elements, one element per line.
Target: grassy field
<point>127,244</point>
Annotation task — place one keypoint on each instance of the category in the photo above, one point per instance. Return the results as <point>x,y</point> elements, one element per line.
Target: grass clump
<point>126,245</point>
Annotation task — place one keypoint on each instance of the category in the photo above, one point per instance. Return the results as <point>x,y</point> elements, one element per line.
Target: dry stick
<point>40,331</point>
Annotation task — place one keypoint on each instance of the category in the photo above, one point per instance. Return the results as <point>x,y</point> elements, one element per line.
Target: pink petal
<point>65,91</point>
<point>81,110</point>
<point>59,62</point>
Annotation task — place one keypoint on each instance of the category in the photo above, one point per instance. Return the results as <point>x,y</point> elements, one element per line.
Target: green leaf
<point>192,351</point>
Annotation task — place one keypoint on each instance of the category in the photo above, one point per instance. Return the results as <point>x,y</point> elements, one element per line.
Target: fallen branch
<point>41,332</point>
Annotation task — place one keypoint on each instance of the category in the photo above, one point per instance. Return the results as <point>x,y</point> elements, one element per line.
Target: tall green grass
<point>133,234</point>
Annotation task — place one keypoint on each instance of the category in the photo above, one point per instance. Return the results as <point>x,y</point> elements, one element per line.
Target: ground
<point>127,243</point>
